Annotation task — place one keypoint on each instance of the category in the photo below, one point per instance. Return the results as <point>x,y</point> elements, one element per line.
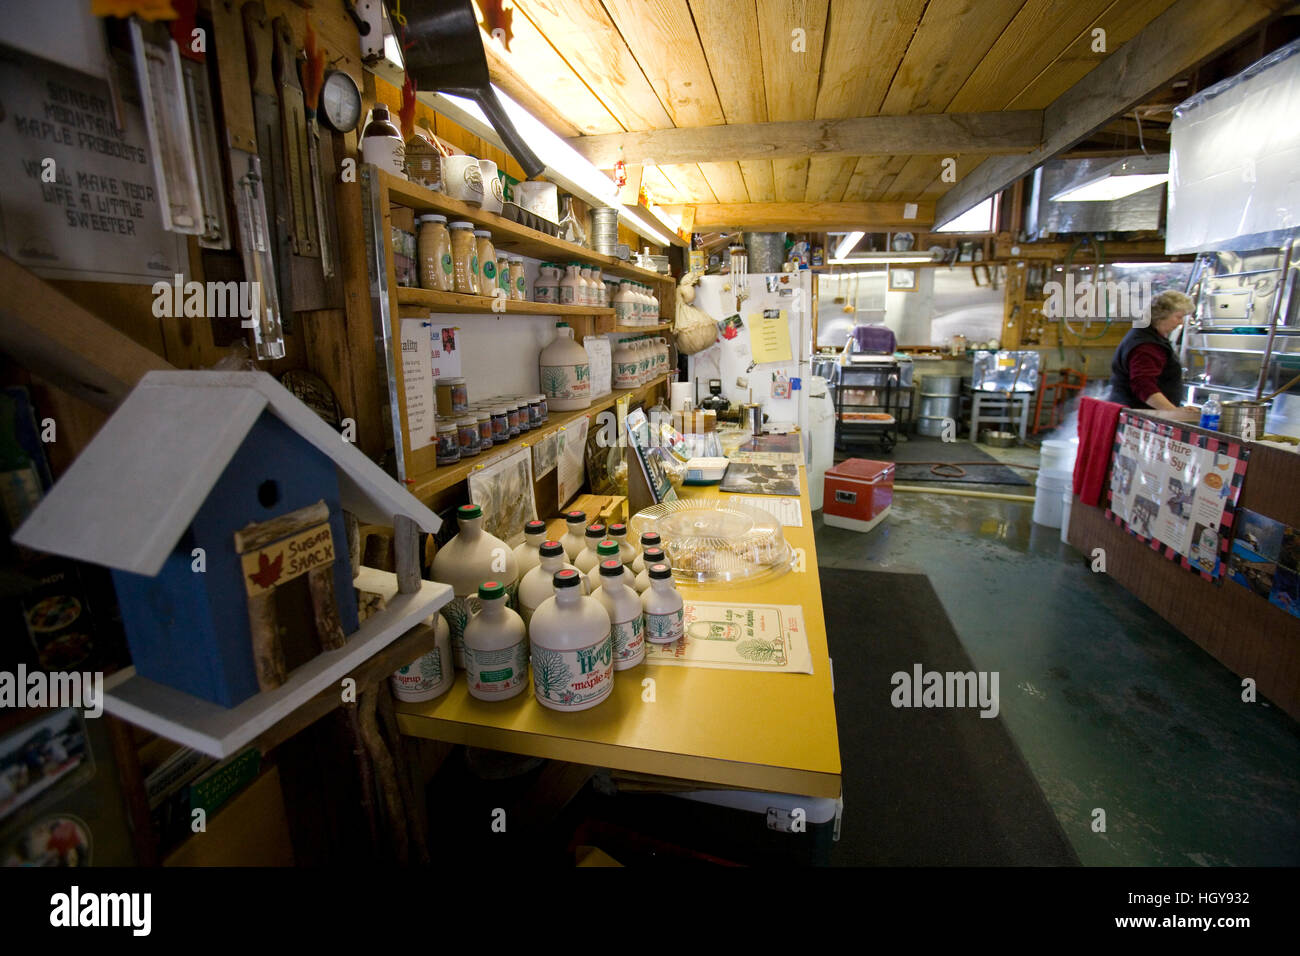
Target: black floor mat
<point>928,450</point>
<point>923,786</point>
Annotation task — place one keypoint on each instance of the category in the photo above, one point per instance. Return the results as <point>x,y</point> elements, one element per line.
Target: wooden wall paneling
<point>583,33</point>
<point>1122,21</point>
<point>1023,51</point>
<point>828,177</point>
<point>865,43</point>
<point>726,181</point>
<point>692,186</point>
<point>951,39</point>
<point>728,32</point>
<point>790,76</point>
<point>885,182</point>
<point>127,308</point>
<point>533,63</point>
<point>1242,630</point>
<point>867,172</point>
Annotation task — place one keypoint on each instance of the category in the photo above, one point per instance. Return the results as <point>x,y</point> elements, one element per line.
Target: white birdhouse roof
<point>134,490</point>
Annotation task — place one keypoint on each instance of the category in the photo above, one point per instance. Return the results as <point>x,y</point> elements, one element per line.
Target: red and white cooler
<point>859,493</point>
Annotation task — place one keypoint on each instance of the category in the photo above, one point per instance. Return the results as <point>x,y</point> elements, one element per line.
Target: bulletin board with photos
<point>1176,488</point>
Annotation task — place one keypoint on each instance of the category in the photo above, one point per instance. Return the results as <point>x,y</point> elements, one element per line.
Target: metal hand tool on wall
<point>270,149</point>
<point>293,122</point>
<point>313,75</point>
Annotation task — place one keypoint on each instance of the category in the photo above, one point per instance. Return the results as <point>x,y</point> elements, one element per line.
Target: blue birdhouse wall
<point>190,630</point>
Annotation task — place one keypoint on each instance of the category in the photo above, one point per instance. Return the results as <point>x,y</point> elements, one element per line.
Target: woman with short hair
<point>1146,371</point>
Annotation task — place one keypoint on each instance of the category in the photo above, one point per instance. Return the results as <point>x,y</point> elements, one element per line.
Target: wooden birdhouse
<point>218,499</point>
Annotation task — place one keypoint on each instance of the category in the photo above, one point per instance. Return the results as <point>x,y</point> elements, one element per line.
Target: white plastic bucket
<point>1047,497</point>
<point>1058,454</point>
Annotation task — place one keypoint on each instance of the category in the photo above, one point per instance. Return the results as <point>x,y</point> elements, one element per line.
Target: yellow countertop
<point>742,729</point>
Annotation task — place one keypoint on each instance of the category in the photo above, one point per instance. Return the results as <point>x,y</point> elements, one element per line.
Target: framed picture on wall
<point>902,280</point>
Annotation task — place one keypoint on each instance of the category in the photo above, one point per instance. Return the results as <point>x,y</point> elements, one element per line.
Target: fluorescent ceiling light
<point>564,165</point>
<point>885,258</point>
<point>845,247</point>
<point>1124,178</point>
<point>643,228</point>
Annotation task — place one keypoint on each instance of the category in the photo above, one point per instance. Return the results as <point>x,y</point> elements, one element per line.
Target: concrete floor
<point>1111,707</point>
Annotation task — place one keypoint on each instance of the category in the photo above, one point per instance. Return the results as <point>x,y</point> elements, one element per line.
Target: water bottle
<point>1210,412</point>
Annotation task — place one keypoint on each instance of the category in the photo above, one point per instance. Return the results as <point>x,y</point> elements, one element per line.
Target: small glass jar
<point>512,416</point>
<point>453,397</point>
<point>518,279</point>
<point>525,420</point>
<point>448,443</point>
<point>504,275</point>
<point>434,245</point>
<point>487,261</point>
<point>485,436</point>
<point>546,411</point>
<point>464,257</point>
<point>536,406</point>
<point>467,436</point>
<point>500,424</point>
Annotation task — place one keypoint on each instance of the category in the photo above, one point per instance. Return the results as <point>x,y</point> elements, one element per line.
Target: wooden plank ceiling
<point>616,66</point>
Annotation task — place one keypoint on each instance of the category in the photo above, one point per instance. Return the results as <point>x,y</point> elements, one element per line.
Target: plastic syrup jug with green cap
<point>587,558</point>
<point>496,647</point>
<point>604,550</point>
<point>535,586</point>
<point>526,554</point>
<point>651,557</point>
<point>466,561</point>
<point>574,534</point>
<point>663,606</point>
<point>564,371</point>
<point>618,534</point>
<point>649,539</point>
<point>431,674</point>
<point>572,644</point>
<point>623,606</point>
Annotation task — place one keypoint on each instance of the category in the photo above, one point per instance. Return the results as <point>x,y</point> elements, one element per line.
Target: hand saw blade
<point>266,119</point>
<point>293,120</point>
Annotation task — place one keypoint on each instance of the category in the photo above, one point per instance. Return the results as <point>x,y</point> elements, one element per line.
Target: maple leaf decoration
<point>268,572</point>
<point>495,18</point>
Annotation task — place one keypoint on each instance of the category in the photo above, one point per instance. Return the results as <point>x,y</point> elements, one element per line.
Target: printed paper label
<point>664,628</point>
<point>565,382</point>
<point>495,672</point>
<point>629,639</point>
<point>574,678</point>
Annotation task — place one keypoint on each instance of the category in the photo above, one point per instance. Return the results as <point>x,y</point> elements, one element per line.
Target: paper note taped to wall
<point>417,376</point>
<point>769,336</point>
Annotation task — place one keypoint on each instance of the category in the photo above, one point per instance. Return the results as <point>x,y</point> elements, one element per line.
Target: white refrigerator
<point>732,360</point>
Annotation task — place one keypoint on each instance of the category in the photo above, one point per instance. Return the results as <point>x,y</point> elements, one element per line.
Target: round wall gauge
<point>340,101</point>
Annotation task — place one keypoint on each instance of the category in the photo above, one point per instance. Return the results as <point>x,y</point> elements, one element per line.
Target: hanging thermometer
<point>340,102</point>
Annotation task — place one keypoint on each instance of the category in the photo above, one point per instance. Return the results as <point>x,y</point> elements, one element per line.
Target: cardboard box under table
<point>859,493</point>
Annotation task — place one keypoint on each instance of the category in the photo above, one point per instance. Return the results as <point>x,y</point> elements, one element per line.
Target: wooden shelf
<point>506,234</point>
<point>426,486</point>
<point>435,301</point>
<point>644,328</point>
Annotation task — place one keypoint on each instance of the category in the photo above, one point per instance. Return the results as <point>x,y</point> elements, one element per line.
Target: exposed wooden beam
<point>1014,131</point>
<point>1187,34</point>
<point>57,339</point>
<point>815,216</point>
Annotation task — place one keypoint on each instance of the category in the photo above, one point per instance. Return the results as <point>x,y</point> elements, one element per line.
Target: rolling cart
<point>868,402</point>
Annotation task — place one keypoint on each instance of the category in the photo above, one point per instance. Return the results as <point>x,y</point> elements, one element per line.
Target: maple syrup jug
<point>572,644</point>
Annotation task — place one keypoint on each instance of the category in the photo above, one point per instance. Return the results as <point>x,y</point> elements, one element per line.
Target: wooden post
<point>406,554</point>
<point>325,608</point>
<point>268,655</point>
<point>352,528</point>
